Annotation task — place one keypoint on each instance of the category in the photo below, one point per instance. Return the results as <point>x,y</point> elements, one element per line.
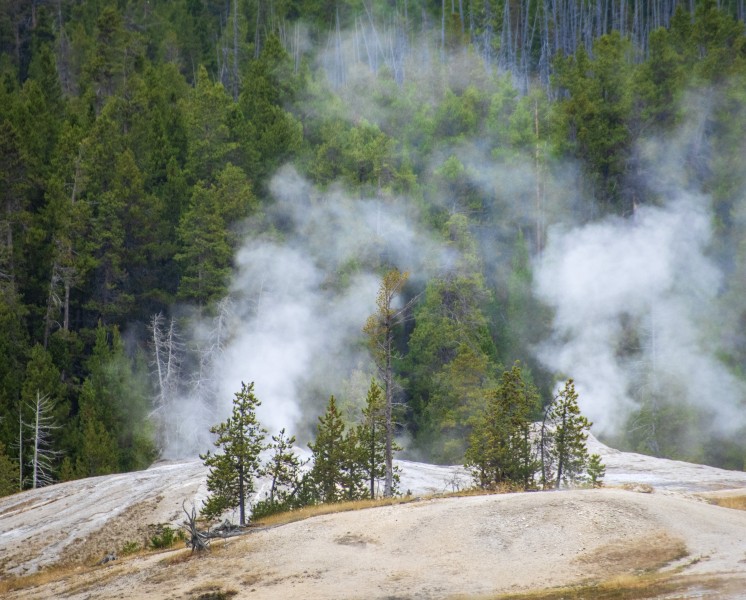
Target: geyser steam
<point>292,327</point>
<point>635,300</point>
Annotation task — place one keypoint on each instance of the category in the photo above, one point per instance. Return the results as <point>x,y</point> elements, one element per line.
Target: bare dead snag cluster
<point>197,540</point>
<point>200,540</point>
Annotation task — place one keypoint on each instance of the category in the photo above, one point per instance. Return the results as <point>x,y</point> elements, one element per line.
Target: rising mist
<point>634,300</point>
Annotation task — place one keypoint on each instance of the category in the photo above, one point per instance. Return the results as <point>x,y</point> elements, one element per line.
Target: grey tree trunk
<point>388,486</point>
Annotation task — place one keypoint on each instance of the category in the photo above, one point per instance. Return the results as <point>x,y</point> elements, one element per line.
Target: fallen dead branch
<point>197,540</point>
<point>200,540</point>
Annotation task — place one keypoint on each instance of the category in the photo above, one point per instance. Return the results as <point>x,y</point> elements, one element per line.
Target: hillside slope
<point>431,548</point>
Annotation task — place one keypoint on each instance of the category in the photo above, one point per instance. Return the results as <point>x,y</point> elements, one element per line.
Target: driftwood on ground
<point>108,558</point>
<point>225,530</point>
<point>200,540</point>
<point>197,540</point>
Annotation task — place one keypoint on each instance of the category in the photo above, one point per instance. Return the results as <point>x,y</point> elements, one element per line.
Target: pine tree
<point>207,235</point>
<point>593,122</point>
<point>451,352</point>
<point>273,134</point>
<point>500,449</point>
<point>232,470</point>
<point>117,398</point>
<point>380,330</point>
<point>284,469</point>
<point>8,473</point>
<point>329,450</point>
<point>97,447</point>
<point>42,412</point>
<point>14,192</point>
<point>371,436</point>
<point>596,471</point>
<point>569,452</point>
<point>206,111</point>
<point>354,482</point>
<point>13,347</point>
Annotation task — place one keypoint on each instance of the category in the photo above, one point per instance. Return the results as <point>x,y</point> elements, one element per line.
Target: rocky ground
<point>653,514</point>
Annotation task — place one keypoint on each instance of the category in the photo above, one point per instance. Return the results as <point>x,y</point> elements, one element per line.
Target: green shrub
<point>166,537</point>
<point>130,548</point>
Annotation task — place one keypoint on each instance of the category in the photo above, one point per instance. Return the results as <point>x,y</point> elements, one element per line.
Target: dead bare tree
<point>42,426</point>
<point>167,351</point>
<point>210,349</point>
<point>197,540</point>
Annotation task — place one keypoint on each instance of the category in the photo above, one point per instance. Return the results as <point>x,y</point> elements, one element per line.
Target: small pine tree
<point>596,471</point>
<point>329,455</point>
<point>336,472</point>
<point>284,470</point>
<point>354,482</point>
<point>546,444</point>
<point>380,331</point>
<point>232,471</point>
<point>569,452</point>
<point>97,451</point>
<point>500,449</point>
<point>371,437</point>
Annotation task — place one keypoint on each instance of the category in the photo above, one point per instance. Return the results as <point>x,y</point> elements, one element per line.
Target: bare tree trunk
<point>538,176</point>
<point>35,462</point>
<point>66,309</point>
<point>443,31</point>
<point>53,302</point>
<point>155,324</point>
<point>241,499</point>
<point>380,330</point>
<point>256,29</point>
<point>542,449</point>
<point>388,486</point>
<point>235,50</point>
<point>372,458</point>
<point>197,540</point>
<point>562,450</point>
<point>20,445</point>
<point>167,354</point>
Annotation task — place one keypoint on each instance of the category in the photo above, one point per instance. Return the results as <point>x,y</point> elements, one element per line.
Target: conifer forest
<point>196,193</point>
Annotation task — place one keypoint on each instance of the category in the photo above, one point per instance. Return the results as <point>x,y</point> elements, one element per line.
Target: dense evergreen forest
<point>168,166</point>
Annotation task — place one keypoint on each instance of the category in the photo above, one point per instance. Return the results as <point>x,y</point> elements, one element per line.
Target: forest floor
<point>654,518</point>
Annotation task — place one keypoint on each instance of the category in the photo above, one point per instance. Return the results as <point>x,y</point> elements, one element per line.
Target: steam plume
<point>293,328</point>
<point>635,304</point>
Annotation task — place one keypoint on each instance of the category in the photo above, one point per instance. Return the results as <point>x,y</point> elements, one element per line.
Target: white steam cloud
<point>635,301</point>
<point>291,327</point>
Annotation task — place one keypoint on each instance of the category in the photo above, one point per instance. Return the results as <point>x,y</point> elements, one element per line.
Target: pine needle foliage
<point>569,451</point>
<point>380,331</point>
<point>596,471</point>
<point>331,473</point>
<point>501,451</point>
<point>371,438</point>
<point>287,480</point>
<point>232,470</point>
<point>350,464</point>
<point>8,473</point>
